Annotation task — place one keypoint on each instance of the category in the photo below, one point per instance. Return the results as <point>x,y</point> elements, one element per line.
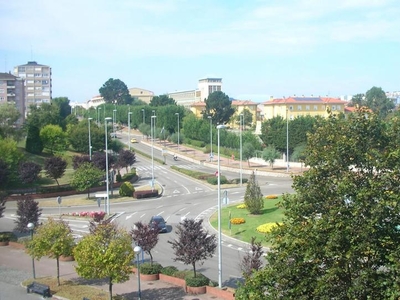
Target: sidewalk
<point>12,259</point>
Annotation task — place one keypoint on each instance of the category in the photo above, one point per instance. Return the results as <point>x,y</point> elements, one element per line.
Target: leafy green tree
<point>3,201</point>
<point>219,107</point>
<point>340,237</point>
<point>299,153</point>
<point>55,167</point>
<point>28,171</point>
<point>146,237</point>
<point>53,138</point>
<point>253,198</point>
<point>4,173</point>
<point>86,176</point>
<point>273,132</point>
<point>105,253</point>
<point>193,243</point>
<point>33,143</point>
<point>247,118</point>
<point>11,156</point>
<point>270,154</point>
<point>28,211</point>
<point>9,115</point>
<point>78,136</point>
<point>54,239</point>
<point>357,100</point>
<point>162,100</point>
<point>376,99</point>
<point>63,106</point>
<point>248,152</point>
<point>115,91</point>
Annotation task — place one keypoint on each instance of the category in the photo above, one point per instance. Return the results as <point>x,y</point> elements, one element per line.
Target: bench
<point>39,288</point>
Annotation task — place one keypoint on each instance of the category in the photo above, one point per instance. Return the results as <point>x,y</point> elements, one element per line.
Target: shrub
<point>237,221</point>
<point>169,270</point>
<point>271,197</point>
<point>126,189</point>
<point>214,180</point>
<point>199,280</point>
<point>267,227</point>
<point>182,274</point>
<point>148,268</point>
<point>240,206</point>
<point>7,236</point>
<point>145,194</point>
<point>129,176</point>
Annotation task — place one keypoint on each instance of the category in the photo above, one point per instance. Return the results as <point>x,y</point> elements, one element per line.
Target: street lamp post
<point>241,147</point>
<point>129,129</point>
<point>178,129</point>
<point>31,226</point>
<point>137,251</point>
<point>287,139</point>
<point>153,120</point>
<point>98,119</point>
<point>219,215</point>
<point>114,121</point>
<point>107,181</point>
<point>90,141</point>
<point>211,153</point>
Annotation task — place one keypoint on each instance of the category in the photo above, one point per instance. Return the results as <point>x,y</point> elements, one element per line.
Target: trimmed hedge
<point>214,180</point>
<point>126,189</point>
<point>148,268</point>
<point>169,270</point>
<point>145,194</point>
<point>199,280</point>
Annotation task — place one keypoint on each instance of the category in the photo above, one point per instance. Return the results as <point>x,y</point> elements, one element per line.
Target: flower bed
<point>241,206</point>
<point>237,221</point>
<point>99,215</point>
<point>271,197</point>
<point>267,227</point>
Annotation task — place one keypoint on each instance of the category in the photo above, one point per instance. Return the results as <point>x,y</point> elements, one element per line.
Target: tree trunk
<point>110,288</point>
<point>58,270</point>
<point>194,269</point>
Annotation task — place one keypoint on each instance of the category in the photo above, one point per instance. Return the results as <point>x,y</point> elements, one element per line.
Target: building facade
<point>293,107</point>
<point>12,92</point>
<point>205,87</point>
<point>38,84</point>
<point>141,94</point>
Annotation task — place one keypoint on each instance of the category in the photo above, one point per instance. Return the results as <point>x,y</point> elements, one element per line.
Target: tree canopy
<point>340,236</point>
<point>162,100</point>
<point>115,91</point>
<point>146,237</point>
<point>219,107</point>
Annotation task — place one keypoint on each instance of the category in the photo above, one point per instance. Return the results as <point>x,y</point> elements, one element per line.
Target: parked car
<point>158,223</point>
<point>133,140</point>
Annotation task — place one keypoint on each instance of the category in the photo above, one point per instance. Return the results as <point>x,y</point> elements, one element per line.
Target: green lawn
<point>244,232</point>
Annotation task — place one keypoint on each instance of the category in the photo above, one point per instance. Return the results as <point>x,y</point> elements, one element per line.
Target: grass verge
<point>245,231</point>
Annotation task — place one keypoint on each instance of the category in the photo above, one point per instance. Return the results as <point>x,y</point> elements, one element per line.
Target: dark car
<point>158,223</point>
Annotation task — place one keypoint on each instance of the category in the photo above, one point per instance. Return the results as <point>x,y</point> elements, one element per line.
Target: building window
<point>307,107</point>
<point>315,107</point>
<point>30,88</point>
<point>38,69</point>
<point>29,75</point>
<point>21,69</point>
<point>45,82</point>
<point>338,107</point>
<point>290,107</point>
<point>333,107</point>
<point>298,107</point>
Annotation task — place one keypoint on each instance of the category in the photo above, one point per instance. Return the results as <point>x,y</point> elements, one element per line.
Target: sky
<point>260,48</point>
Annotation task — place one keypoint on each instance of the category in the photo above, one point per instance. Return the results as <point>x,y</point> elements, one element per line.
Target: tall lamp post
<point>178,129</point>
<point>129,129</point>
<point>114,121</point>
<point>287,139</point>
<point>98,119</point>
<point>211,153</point>
<point>137,251</point>
<point>107,181</point>
<point>153,121</point>
<point>241,147</point>
<point>219,215</point>
<point>90,141</point>
<point>31,226</point>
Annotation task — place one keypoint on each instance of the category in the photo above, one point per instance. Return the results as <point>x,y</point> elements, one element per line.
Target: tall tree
<point>54,239</point>
<point>28,211</point>
<point>219,107</point>
<point>340,237</point>
<point>146,237</point>
<point>55,167</point>
<point>9,115</point>
<point>78,136</point>
<point>4,173</point>
<point>86,176</point>
<point>53,138</point>
<point>270,154</point>
<point>247,118</point>
<point>11,156</point>
<point>376,99</point>
<point>251,261</point>
<point>126,158</point>
<point>105,253</point>
<point>63,106</point>
<point>115,91</point>
<point>248,152</point>
<point>253,198</point>
<point>357,100</point>
<point>162,100</point>
<point>193,244</point>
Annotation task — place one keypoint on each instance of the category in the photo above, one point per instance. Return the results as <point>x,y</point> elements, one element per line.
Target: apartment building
<point>38,85</point>
<point>293,107</point>
<point>12,92</point>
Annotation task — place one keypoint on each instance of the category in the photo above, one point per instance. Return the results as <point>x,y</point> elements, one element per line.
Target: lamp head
<point>30,226</point>
<point>137,249</point>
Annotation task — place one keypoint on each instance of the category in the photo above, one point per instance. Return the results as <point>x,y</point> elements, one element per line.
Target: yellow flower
<point>267,227</point>
<point>237,221</point>
<point>271,197</point>
<point>241,206</point>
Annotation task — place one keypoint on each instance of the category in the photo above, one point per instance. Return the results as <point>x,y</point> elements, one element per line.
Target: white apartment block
<point>38,85</point>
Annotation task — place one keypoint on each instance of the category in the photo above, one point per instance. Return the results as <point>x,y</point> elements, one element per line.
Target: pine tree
<point>28,211</point>
<point>253,198</point>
